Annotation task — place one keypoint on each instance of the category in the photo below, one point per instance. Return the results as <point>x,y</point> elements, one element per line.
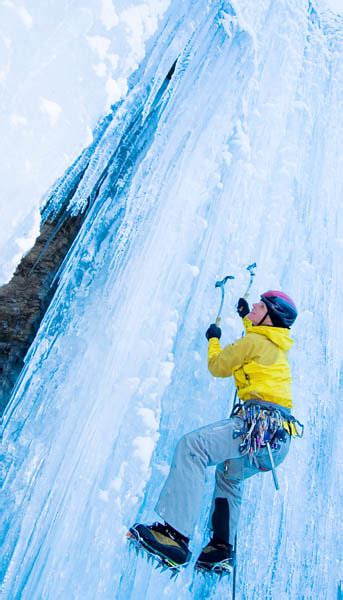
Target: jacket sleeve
<point>222,362</point>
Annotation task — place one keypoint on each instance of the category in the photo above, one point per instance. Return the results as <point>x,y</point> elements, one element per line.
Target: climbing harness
<point>259,426</point>
<point>263,426</point>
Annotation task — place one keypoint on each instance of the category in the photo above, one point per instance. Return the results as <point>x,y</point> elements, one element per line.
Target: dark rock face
<point>25,299</point>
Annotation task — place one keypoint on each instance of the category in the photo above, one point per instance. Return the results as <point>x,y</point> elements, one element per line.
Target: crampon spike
<point>159,562</point>
<point>217,570</point>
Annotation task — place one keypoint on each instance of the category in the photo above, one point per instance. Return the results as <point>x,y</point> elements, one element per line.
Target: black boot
<point>162,541</point>
<point>218,555</point>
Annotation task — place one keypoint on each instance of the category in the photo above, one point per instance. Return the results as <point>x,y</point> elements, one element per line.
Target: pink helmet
<point>281,308</point>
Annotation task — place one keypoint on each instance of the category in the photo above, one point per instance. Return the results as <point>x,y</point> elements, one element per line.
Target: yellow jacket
<point>258,362</point>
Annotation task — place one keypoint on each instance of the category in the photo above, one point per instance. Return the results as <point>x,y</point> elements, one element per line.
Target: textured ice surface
<point>244,163</point>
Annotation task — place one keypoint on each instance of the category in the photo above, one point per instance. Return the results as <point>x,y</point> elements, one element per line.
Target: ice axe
<point>273,468</point>
<point>220,284</point>
<point>251,268</point>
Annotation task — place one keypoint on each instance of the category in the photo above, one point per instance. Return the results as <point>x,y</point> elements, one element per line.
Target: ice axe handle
<point>273,469</point>
<point>251,268</point>
<point>221,284</point>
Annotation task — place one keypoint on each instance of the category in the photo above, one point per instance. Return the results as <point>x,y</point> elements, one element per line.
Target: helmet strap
<point>265,316</point>
<point>260,323</point>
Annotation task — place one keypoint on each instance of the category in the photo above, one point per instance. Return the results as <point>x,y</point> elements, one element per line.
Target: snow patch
<point>100,69</point>
<point>144,448</point>
<point>227,156</point>
<point>117,482</point>
<point>163,468</point>
<point>17,120</point>
<point>25,16</point>
<point>104,495</point>
<point>89,136</point>
<point>6,41</point>
<point>149,417</point>
<point>22,13</point>
<point>167,369</point>
<point>51,109</point>
<point>229,23</point>
<point>99,44</point>
<point>239,142</point>
<point>142,21</point>
<point>115,89</point>
<point>108,14</point>
<point>197,357</point>
<point>113,59</point>
<point>194,270</point>
<point>132,384</point>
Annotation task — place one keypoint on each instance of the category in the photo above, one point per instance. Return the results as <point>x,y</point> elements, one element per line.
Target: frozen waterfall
<point>226,150</point>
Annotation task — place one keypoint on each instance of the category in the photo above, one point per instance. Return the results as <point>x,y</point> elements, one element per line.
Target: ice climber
<point>238,446</point>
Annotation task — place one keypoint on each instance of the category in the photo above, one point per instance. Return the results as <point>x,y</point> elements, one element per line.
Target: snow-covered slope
<point>238,159</point>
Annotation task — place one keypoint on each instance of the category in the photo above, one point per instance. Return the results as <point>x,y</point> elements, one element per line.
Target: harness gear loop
<point>262,426</point>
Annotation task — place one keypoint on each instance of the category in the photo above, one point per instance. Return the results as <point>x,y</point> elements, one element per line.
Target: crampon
<point>220,568</point>
<point>141,547</point>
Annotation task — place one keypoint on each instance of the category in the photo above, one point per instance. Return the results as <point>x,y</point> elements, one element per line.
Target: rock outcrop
<point>25,299</point>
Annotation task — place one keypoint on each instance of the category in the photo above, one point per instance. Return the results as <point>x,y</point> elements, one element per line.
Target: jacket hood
<point>280,336</point>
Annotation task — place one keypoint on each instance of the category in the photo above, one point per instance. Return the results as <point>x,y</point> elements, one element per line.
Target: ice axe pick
<point>220,284</point>
<point>251,268</point>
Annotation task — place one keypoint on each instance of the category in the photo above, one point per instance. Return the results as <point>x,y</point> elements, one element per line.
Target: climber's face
<point>258,313</point>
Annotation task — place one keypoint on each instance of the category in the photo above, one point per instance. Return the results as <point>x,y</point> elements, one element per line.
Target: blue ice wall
<point>235,157</point>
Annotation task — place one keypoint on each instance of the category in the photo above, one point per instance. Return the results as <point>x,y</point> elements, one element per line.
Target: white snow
<point>50,108</point>
<point>109,16</point>
<point>149,418</point>
<point>116,89</point>
<point>100,69</point>
<point>144,447</point>
<point>22,12</point>
<point>100,44</point>
<point>18,120</point>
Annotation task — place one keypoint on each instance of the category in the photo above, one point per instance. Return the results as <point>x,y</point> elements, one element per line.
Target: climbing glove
<point>213,332</point>
<point>243,307</point>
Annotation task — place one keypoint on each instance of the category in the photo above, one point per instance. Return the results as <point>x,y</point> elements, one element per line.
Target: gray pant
<point>180,501</point>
